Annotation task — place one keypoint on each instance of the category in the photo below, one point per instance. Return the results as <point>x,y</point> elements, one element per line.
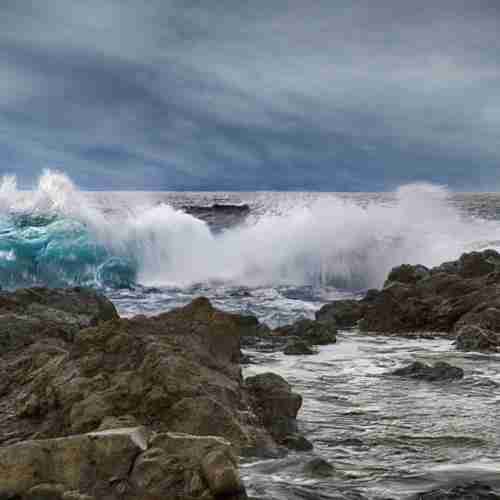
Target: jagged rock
<point>344,313</point>
<point>298,347</point>
<point>318,468</point>
<point>439,372</point>
<point>313,332</point>
<point>275,404</point>
<point>30,314</point>
<point>176,371</point>
<point>442,301</point>
<point>407,274</point>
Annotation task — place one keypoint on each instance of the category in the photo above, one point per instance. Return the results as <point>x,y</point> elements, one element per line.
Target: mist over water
<point>60,235</point>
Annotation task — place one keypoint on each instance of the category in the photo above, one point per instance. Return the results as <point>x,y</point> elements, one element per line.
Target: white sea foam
<point>334,240</point>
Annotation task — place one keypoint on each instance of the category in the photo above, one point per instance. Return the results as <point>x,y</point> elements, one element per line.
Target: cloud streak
<point>270,95</point>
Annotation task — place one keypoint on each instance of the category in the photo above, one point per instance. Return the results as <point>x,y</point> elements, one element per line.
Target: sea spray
<point>58,235</point>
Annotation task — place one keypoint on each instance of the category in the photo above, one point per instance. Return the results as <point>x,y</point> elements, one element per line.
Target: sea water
<point>281,260</point>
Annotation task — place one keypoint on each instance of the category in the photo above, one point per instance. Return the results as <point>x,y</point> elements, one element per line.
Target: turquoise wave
<point>57,251</point>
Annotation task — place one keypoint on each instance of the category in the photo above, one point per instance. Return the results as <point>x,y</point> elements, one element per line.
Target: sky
<point>270,94</point>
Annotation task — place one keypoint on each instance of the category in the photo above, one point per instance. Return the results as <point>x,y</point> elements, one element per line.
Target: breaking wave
<point>55,235</point>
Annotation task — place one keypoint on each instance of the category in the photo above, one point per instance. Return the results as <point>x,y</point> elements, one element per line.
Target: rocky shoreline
<point>94,406</point>
<point>458,299</point>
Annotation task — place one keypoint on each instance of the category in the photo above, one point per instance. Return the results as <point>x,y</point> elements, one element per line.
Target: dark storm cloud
<point>265,94</point>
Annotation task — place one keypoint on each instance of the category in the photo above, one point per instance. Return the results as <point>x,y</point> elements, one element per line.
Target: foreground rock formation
<point>459,299</point>
<point>94,406</point>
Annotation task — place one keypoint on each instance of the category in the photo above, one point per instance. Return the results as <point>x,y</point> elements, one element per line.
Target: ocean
<point>281,256</point>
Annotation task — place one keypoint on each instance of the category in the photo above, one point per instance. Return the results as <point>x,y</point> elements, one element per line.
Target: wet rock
<point>176,371</point>
<point>318,468</point>
<point>221,474</point>
<point>298,347</point>
<point>471,491</point>
<point>297,442</point>
<point>274,403</point>
<point>179,466</point>
<point>31,314</point>
<point>246,359</point>
<point>313,332</point>
<point>407,274</point>
<point>441,371</point>
<point>251,330</point>
<point>438,302</point>
<point>344,313</point>
<point>475,338</point>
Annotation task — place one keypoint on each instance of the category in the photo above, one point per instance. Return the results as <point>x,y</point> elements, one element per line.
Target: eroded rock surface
<point>72,372</point>
<point>124,463</point>
<point>456,299</point>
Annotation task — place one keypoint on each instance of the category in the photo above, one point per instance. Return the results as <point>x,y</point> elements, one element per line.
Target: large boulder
<point>125,464</point>
<point>344,313</point>
<point>312,332</point>
<point>298,348</point>
<point>275,404</point>
<point>85,463</point>
<point>407,273</point>
<point>441,371</point>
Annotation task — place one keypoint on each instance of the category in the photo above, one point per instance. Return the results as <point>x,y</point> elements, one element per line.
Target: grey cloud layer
<point>264,94</point>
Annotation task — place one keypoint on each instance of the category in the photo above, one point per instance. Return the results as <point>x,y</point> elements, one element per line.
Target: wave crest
<point>57,235</point>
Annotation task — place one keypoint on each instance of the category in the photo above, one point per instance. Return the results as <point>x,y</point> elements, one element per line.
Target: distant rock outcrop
<point>456,299</point>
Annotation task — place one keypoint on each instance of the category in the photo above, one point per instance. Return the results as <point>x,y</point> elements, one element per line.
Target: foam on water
<point>55,234</point>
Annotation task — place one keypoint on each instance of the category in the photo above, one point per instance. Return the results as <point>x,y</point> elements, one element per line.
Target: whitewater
<point>284,258</point>
<point>58,235</point>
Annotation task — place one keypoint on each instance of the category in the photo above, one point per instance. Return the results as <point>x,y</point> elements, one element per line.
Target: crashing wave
<point>56,235</point>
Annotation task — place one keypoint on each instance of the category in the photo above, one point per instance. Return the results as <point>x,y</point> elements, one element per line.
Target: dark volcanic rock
<point>313,332</point>
<point>298,347</point>
<point>344,313</point>
<point>251,330</point>
<point>439,372</point>
<point>448,300</point>
<point>275,404</point>
<point>407,274</point>
<point>471,491</point>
